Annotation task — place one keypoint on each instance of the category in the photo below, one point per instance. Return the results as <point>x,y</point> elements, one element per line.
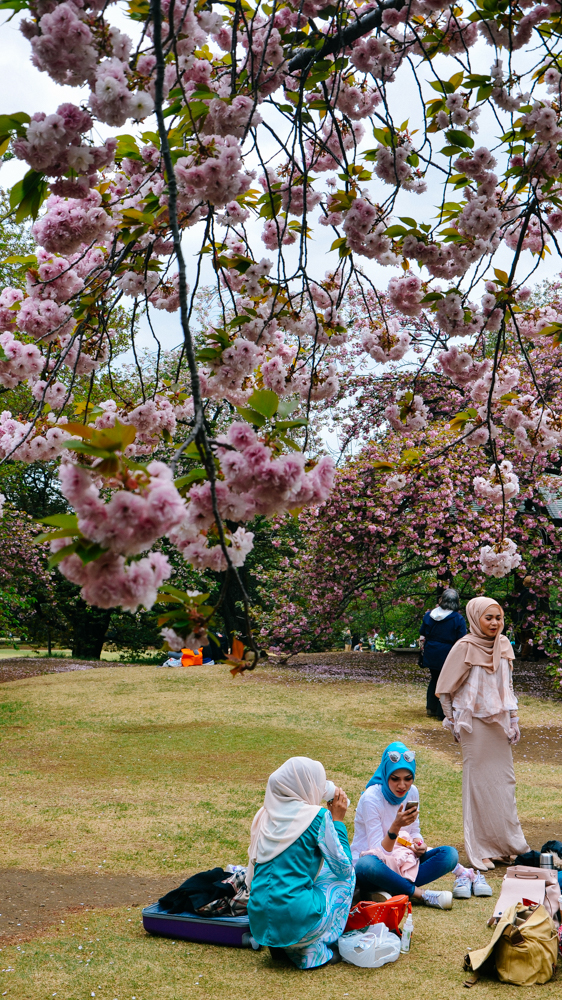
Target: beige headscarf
<point>292,800</point>
<point>474,649</point>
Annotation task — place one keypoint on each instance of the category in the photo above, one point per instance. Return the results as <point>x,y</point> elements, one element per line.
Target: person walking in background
<point>476,691</point>
<point>440,630</point>
<point>346,636</point>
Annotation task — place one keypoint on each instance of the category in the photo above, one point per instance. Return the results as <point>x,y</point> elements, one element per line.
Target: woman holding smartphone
<point>388,810</point>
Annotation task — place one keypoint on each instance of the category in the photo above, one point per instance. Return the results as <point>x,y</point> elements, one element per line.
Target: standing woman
<point>300,876</point>
<point>440,630</point>
<point>476,692</point>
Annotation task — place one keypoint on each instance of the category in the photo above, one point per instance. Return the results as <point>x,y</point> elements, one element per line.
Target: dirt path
<point>32,900</point>
<point>18,667</point>
<point>379,668</point>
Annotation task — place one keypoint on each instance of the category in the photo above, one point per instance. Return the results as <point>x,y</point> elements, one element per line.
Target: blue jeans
<point>373,875</point>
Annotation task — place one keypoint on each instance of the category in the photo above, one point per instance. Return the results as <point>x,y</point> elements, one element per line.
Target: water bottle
<point>407,933</point>
<point>546,860</point>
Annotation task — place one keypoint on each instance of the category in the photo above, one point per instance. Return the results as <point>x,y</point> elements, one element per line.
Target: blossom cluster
<point>254,483</point>
<point>501,485</point>
<point>499,559</point>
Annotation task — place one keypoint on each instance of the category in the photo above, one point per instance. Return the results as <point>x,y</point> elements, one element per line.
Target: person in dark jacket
<point>440,630</point>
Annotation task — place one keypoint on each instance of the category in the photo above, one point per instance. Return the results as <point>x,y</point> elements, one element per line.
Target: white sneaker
<point>462,888</point>
<point>440,900</point>
<point>480,886</point>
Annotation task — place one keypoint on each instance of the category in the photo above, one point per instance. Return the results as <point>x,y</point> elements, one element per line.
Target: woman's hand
<point>406,815</point>
<point>419,847</point>
<point>338,805</point>
<point>514,732</point>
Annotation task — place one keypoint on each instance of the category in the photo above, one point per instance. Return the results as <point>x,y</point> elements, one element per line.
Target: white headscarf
<point>438,613</point>
<point>292,800</point>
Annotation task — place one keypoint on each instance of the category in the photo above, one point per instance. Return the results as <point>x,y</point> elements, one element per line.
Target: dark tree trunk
<point>232,608</point>
<point>89,627</point>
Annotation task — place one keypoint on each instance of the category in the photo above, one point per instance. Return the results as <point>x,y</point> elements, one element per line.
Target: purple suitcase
<point>231,931</point>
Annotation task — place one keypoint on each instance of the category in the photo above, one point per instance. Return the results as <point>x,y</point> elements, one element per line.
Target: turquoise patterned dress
<point>300,901</point>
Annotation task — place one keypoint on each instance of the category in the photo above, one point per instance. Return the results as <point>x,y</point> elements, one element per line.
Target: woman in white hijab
<point>301,877</point>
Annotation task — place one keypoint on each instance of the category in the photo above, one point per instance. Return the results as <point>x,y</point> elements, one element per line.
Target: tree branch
<point>304,58</point>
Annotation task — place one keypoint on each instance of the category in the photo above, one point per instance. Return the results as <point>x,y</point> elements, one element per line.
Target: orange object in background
<point>191,659</point>
<point>237,649</point>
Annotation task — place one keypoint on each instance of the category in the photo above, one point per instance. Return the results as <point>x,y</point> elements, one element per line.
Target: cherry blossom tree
<point>287,116</point>
<point>416,512</point>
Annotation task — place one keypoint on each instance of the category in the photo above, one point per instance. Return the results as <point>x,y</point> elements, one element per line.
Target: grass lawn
<point>159,772</point>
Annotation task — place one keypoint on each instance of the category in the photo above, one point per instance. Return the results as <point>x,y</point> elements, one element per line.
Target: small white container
<point>407,933</point>
<point>369,948</point>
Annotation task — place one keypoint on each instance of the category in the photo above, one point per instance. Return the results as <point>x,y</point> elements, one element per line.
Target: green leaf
<point>395,231</point>
<point>61,521</point>
<point>501,276</point>
<point>18,259</point>
<point>411,455</point>
<point>191,477</point>
<point>15,5</point>
<point>460,138</point>
<point>252,416</point>
<point>58,557</point>
<point>285,425</point>
<point>209,353</point>
<point>443,86</point>
<point>182,595</point>
<point>289,442</point>
<point>265,401</point>
<point>49,536</point>
<point>286,407</point>
<point>547,331</point>
<point>27,196</point>
<point>87,449</point>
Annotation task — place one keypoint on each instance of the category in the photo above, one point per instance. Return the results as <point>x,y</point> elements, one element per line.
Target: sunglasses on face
<point>408,755</point>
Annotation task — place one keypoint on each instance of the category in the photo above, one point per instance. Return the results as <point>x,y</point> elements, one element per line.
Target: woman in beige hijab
<point>476,692</point>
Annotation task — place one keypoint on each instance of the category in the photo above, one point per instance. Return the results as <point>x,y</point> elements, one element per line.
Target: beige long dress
<point>481,712</point>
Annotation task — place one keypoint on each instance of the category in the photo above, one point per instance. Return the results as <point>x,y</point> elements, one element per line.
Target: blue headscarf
<point>388,767</point>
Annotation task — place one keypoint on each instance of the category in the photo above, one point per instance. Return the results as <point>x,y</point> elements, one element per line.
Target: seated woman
<point>300,876</point>
<point>388,809</point>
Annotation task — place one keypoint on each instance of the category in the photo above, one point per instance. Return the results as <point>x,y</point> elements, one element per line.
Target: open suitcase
<point>231,931</point>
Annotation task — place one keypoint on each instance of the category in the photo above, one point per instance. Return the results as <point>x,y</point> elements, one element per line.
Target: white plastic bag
<point>370,947</point>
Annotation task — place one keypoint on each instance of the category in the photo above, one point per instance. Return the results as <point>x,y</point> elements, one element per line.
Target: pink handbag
<point>539,885</point>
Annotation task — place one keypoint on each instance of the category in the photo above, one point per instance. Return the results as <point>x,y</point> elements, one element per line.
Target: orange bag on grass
<point>191,659</point>
<point>389,912</point>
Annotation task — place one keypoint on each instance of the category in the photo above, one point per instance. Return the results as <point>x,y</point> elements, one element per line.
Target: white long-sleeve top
<point>483,695</point>
<point>374,815</point>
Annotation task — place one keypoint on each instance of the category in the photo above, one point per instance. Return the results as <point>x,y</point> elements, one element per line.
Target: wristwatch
<point>391,836</point>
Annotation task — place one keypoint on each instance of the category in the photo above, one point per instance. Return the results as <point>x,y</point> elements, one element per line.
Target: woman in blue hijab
<point>388,809</point>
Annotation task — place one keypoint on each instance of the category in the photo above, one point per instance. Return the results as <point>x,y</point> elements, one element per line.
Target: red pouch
<point>389,912</point>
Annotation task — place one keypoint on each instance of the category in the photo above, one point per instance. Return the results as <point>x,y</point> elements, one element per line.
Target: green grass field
<point>158,772</point>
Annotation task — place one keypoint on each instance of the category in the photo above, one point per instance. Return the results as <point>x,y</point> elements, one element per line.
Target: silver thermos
<point>547,860</point>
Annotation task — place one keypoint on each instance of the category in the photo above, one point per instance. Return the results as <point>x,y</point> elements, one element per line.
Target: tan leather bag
<point>523,948</point>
